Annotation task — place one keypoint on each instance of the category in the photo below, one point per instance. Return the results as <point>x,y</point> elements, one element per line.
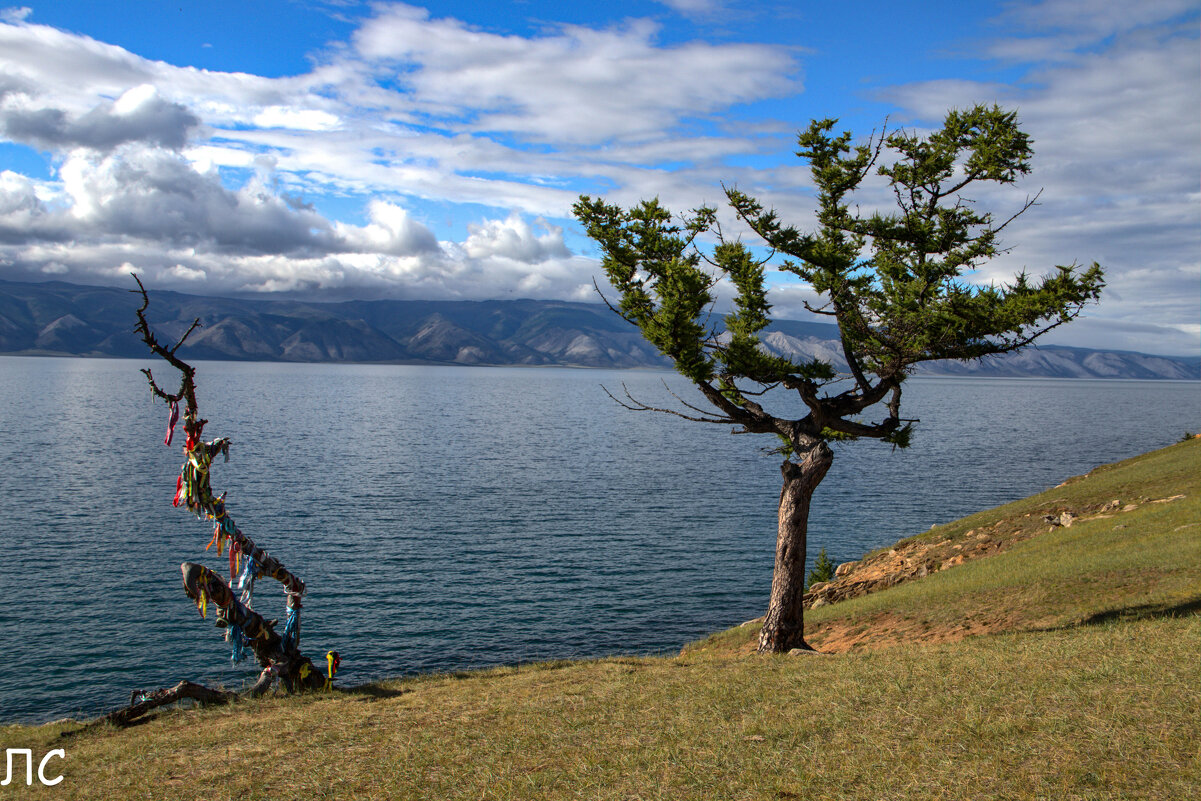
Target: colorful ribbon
<point>172,419</point>
<point>334,660</point>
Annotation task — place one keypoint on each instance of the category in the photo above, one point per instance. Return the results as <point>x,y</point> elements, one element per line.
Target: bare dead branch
<point>636,405</point>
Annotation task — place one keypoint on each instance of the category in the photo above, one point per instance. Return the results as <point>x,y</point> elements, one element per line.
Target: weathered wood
<point>141,703</point>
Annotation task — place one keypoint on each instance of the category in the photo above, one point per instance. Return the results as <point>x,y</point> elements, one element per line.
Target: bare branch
<point>821,310</point>
<point>697,409</point>
<point>195,324</point>
<point>1030,203</point>
<point>636,405</point>
<point>616,311</point>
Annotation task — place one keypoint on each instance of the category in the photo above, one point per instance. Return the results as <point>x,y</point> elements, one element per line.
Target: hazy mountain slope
<point>60,318</point>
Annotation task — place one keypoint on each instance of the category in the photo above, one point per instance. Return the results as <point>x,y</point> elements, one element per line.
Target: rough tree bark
<point>784,626</point>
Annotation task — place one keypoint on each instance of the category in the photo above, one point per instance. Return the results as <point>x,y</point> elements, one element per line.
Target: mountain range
<point>56,318</point>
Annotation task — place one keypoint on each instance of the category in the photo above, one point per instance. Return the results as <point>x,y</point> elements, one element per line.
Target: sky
<point>335,149</point>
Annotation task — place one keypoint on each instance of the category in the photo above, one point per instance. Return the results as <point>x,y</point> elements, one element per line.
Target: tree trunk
<point>784,627</point>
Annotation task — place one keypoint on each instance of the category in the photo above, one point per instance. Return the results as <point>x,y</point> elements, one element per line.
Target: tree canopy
<point>898,283</point>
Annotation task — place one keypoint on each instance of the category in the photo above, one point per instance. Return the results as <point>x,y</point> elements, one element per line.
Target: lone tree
<point>897,284</point>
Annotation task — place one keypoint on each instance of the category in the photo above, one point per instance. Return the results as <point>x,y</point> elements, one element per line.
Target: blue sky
<point>341,149</point>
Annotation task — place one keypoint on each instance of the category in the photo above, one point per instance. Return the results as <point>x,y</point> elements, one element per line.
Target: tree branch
<point>636,405</point>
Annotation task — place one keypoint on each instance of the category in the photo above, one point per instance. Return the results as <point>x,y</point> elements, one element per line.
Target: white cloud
<point>694,8</point>
<point>149,210</point>
<point>515,239</point>
<point>15,14</point>
<point>1054,30</point>
<point>301,119</point>
<point>392,231</point>
<point>576,85</point>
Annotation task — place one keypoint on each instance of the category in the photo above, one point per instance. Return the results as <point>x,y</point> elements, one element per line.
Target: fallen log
<point>140,703</point>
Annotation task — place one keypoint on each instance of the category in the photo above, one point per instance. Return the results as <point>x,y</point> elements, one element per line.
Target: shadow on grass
<point>1138,612</point>
<point>1144,611</point>
<point>376,691</point>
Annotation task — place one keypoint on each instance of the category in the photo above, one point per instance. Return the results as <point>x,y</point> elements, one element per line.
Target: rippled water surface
<point>451,517</point>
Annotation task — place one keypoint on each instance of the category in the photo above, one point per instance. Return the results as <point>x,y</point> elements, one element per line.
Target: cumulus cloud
<point>392,231</point>
<point>515,239</point>
<point>139,115</point>
<point>155,195</point>
<point>149,210</point>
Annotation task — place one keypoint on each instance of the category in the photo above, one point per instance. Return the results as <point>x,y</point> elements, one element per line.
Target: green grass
<point>1092,691</point>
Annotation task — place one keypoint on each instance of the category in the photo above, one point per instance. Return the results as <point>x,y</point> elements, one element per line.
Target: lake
<point>454,517</point>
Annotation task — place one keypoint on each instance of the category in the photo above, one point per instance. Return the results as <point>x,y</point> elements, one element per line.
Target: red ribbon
<point>234,550</point>
<point>172,419</point>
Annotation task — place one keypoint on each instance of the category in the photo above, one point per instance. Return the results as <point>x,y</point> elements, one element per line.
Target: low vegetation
<point>1086,686</point>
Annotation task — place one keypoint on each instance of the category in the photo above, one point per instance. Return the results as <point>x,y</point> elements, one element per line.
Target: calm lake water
<point>453,517</point>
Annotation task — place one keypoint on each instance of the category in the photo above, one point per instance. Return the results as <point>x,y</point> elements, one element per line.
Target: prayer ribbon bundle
<point>278,655</point>
<point>193,490</point>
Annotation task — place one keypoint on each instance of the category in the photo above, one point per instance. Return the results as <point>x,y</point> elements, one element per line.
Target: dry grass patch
<point>1099,711</point>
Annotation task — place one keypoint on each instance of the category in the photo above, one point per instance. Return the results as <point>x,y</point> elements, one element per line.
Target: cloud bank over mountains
<point>333,182</point>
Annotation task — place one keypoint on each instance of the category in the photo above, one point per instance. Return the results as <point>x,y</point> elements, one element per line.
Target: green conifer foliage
<point>898,284</point>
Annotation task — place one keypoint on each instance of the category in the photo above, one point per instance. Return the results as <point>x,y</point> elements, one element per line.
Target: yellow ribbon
<point>203,604</point>
<point>329,657</point>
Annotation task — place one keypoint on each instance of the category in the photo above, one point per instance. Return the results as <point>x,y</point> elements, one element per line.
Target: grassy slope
<point>1089,687</point>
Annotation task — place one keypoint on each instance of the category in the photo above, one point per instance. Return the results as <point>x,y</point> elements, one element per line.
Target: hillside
<point>63,319</point>
<point>1057,659</point>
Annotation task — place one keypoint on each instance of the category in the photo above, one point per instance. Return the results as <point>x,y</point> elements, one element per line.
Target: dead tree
<point>248,632</point>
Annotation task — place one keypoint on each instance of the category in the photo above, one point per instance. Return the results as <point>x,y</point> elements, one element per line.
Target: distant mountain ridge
<point>66,319</point>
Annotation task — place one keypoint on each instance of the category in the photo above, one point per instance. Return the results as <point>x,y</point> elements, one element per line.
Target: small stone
<point>982,537</point>
<point>819,602</point>
<point>1130,507</point>
<point>1066,519</point>
<point>818,587</point>
<point>923,571</point>
<point>957,547</point>
<point>844,568</point>
<point>969,533</point>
